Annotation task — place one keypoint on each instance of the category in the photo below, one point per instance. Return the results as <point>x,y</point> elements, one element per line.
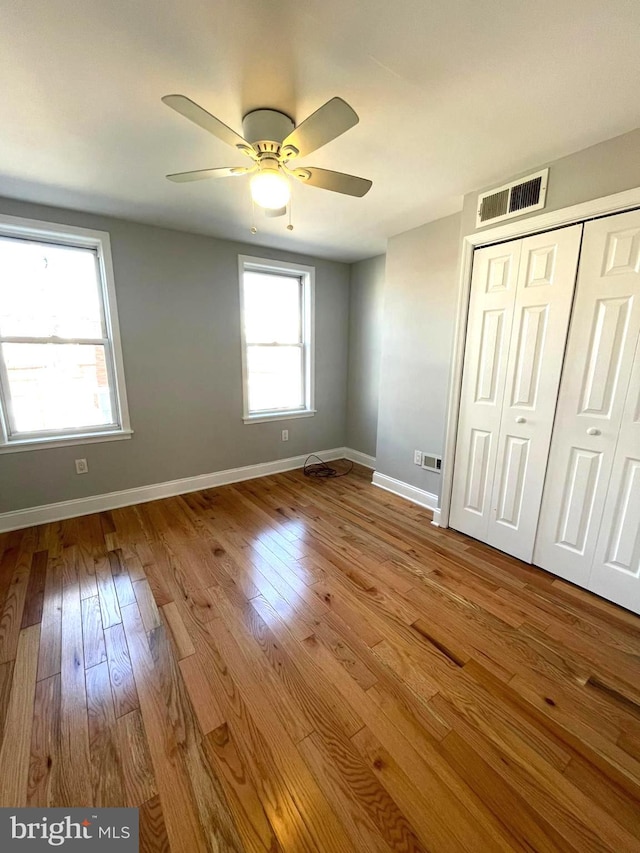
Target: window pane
<point>58,386</point>
<point>272,308</point>
<point>275,378</point>
<point>48,290</point>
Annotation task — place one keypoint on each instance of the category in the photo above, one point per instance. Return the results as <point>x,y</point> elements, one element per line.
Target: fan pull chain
<point>253,228</point>
<point>290,226</point>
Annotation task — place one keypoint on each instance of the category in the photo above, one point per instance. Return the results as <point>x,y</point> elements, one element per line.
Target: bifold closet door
<point>588,531</point>
<point>491,305</point>
<point>520,303</point>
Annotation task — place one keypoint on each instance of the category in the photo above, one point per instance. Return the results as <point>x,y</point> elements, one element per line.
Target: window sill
<point>265,417</point>
<point>81,438</point>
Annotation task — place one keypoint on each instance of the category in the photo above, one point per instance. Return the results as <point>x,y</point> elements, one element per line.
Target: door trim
<point>616,203</point>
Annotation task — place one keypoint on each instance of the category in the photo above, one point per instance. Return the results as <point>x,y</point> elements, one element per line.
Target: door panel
<point>526,376</point>
<point>615,573</point>
<point>511,489</point>
<point>491,305</point>
<point>544,295</point>
<point>623,540</point>
<point>491,346</point>
<point>541,264</point>
<point>587,476</point>
<point>476,488</point>
<point>604,355</point>
<point>576,508</point>
<point>499,271</point>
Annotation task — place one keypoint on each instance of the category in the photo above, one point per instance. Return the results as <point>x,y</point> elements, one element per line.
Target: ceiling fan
<point>271,140</point>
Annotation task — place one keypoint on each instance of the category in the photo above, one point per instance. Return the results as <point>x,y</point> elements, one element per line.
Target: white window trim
<point>98,241</point>
<point>307,274</point>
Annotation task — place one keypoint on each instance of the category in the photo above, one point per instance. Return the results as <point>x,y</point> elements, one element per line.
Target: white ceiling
<point>452,95</point>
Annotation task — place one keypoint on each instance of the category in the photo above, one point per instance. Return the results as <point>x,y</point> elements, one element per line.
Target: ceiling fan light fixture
<point>270,189</point>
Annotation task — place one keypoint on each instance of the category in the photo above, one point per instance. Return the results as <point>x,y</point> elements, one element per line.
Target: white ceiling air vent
<point>513,199</point>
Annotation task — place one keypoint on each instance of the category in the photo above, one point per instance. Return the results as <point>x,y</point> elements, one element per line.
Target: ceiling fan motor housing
<point>264,126</point>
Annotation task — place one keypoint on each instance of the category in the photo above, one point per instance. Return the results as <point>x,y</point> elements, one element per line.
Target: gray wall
<point>365,342</point>
<point>419,308</point>
<point>603,169</point>
<point>178,305</point>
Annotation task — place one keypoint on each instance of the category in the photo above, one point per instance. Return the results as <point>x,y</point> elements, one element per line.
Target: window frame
<point>306,274</point>
<point>98,242</point>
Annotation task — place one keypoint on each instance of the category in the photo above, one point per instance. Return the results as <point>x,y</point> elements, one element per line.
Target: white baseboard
<point>360,458</point>
<point>404,490</point>
<point>142,494</point>
<point>436,517</point>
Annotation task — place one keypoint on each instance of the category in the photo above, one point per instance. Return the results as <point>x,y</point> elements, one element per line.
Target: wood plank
<point>51,624</point>
<point>205,705</point>
<point>6,677</point>
<point>133,750</point>
<point>16,743</point>
<point>85,553</point>
<point>92,634</point>
<point>153,832</point>
<point>125,695</point>
<point>11,616</point>
<point>109,606</point>
<point>147,605</point>
<point>32,613</point>
<point>179,633</point>
<point>45,744</point>
<point>226,759</point>
<point>106,765</point>
<point>152,556</point>
<point>121,579</point>
<point>74,779</point>
<point>8,559</point>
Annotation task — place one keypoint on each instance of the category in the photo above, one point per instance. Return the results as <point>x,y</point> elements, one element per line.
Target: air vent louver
<point>494,205</point>
<point>513,199</point>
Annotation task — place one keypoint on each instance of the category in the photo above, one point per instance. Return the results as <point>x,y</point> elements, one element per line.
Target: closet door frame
<point>617,203</point>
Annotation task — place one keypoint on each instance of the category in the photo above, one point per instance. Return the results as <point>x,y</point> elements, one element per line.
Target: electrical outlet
<point>81,466</point>
<point>285,435</point>
<point>417,457</point>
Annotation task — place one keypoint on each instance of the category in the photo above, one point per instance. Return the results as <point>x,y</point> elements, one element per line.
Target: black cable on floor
<point>321,470</point>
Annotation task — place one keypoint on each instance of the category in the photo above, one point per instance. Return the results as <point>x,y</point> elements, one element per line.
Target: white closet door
<point>546,281</point>
<point>491,305</point>
<point>616,567</point>
<point>600,353</point>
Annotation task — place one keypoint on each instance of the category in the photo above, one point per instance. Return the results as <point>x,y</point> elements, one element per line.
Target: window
<point>61,376</point>
<point>276,302</point>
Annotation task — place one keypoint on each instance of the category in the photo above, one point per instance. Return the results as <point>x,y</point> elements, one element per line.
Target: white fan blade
<point>201,174</point>
<point>187,108</point>
<point>328,122</point>
<point>337,182</point>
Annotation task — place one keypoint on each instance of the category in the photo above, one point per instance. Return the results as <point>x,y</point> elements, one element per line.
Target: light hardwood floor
<point>309,666</point>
